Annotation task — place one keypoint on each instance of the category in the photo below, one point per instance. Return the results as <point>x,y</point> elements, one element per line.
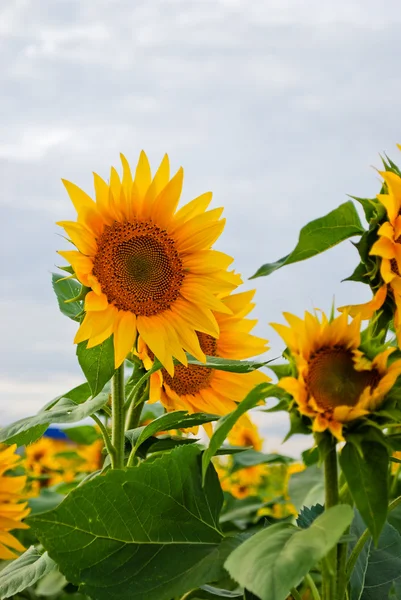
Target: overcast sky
<point>279,107</point>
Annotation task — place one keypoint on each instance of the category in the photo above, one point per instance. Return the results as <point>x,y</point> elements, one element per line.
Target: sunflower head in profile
<point>148,268</point>
<point>386,250</point>
<point>12,509</point>
<point>335,383</point>
<point>200,389</point>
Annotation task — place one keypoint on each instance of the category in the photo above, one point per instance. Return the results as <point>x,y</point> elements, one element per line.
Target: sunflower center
<point>138,267</point>
<point>192,379</point>
<point>333,380</point>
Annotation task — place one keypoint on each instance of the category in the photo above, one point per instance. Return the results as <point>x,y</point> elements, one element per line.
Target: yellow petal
<point>154,338</point>
<point>143,176</point>
<point>94,302</point>
<point>124,336</point>
<point>193,209</point>
<point>166,202</point>
<point>386,230</point>
<point>102,192</point>
<point>383,247</point>
<point>80,236</point>
<point>367,309</point>
<point>78,197</point>
<point>159,182</point>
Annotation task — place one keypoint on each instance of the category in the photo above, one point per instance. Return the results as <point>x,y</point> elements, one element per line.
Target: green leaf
<point>83,434</point>
<point>114,533</point>
<point>47,500</point>
<point>179,419</point>
<point>310,457</point>
<point>65,411</point>
<point>308,515</point>
<point>221,593</point>
<point>306,488</point>
<point>384,565</point>
<point>51,584</point>
<point>24,572</point>
<point>357,580</point>
<point>78,394</point>
<point>250,458</point>
<point>226,423</point>
<point>277,558</point>
<point>66,290</point>
<point>27,437</point>
<point>298,425</point>
<point>241,510</point>
<point>395,592</point>
<point>359,274</point>
<point>165,444</point>
<point>367,478</point>
<point>97,364</point>
<point>228,364</point>
<point>318,236</point>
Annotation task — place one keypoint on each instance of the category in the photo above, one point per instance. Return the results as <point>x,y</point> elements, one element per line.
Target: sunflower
<point>12,510</point>
<point>246,482</point>
<point>388,249</point>
<point>148,268</point>
<point>336,382</point>
<point>200,389</point>
<point>245,433</point>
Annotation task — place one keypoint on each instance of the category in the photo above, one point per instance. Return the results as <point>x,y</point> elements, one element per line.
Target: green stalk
<point>118,430</point>
<point>133,416</point>
<point>295,594</point>
<point>331,499</point>
<point>312,586</point>
<point>106,438</point>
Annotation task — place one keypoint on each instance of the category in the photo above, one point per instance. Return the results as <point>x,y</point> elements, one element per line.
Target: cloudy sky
<point>279,107</point>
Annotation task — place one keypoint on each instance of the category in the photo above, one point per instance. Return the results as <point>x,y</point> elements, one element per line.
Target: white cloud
<point>34,143</point>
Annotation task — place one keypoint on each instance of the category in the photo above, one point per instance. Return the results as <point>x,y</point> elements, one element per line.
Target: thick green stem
<point>331,499</point>
<point>117,432</point>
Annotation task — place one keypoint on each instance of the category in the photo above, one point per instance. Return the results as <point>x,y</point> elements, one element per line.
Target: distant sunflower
<point>245,433</point>
<point>12,510</point>
<point>200,389</point>
<point>149,267</point>
<point>336,382</point>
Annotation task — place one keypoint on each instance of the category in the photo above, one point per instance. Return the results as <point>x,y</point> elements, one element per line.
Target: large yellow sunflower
<point>200,389</point>
<point>336,382</point>
<point>388,248</point>
<point>12,510</point>
<point>149,267</point>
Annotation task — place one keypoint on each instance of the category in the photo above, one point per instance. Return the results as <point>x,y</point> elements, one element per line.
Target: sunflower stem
<point>106,438</point>
<point>135,410</point>
<point>312,586</point>
<point>118,414</point>
<point>331,499</point>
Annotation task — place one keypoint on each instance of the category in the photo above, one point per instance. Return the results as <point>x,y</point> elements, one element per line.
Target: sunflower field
<point>149,481</point>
